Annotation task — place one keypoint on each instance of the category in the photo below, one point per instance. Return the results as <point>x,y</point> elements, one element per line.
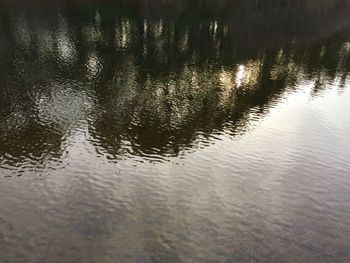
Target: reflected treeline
<point>155,78</point>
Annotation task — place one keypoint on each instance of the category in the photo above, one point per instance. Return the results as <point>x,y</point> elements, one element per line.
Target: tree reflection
<point>150,82</point>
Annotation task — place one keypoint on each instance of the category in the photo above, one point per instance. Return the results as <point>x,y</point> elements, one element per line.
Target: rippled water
<point>174,131</point>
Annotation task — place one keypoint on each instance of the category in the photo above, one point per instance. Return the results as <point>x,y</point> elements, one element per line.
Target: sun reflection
<point>240,75</point>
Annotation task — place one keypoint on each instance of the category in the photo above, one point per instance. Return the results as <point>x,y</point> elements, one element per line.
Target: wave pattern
<point>211,133</point>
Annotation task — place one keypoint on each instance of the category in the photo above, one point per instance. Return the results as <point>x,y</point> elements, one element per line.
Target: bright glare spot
<point>240,75</point>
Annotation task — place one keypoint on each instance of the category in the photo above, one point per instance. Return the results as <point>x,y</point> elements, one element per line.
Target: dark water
<point>174,131</point>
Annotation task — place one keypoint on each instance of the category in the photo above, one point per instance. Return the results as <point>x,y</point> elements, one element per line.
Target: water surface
<point>174,131</point>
